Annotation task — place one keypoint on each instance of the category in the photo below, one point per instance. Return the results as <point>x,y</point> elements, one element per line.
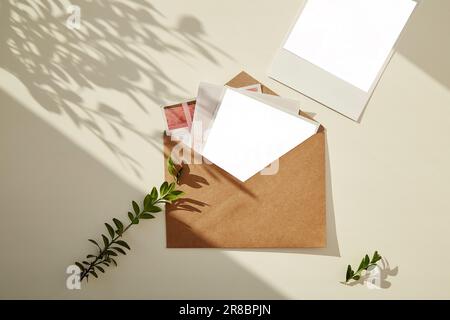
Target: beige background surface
<point>79,139</point>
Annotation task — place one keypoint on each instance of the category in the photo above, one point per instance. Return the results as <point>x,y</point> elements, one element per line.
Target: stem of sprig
<point>113,245</point>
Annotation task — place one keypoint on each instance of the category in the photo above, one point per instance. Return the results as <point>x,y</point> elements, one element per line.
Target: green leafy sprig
<point>366,262</point>
<point>173,170</point>
<point>113,245</point>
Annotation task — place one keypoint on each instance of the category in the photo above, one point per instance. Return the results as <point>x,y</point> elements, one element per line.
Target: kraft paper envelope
<point>284,210</point>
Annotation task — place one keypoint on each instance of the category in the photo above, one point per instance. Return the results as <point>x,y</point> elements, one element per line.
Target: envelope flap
<point>243,79</point>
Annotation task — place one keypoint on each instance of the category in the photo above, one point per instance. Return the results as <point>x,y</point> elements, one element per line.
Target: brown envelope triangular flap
<point>284,210</point>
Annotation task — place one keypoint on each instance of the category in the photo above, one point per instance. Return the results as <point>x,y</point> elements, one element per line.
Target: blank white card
<point>247,134</point>
<point>350,39</point>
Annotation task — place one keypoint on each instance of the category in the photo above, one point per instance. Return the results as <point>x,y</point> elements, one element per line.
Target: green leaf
<point>163,188</point>
<point>119,225</point>
<point>130,216</point>
<point>349,274</point>
<point>366,261</point>
<point>154,209</point>
<point>105,240</point>
<point>147,201</point>
<point>154,194</point>
<point>171,187</point>
<point>178,176</point>
<point>90,256</point>
<point>357,277</point>
<point>123,244</point>
<point>93,273</point>
<point>171,167</point>
<point>100,268</point>
<point>119,250</point>
<point>172,196</point>
<point>136,207</point>
<point>170,162</point>
<point>146,215</point>
<point>113,261</point>
<point>111,253</point>
<point>136,220</point>
<point>86,263</point>
<point>110,230</point>
<point>94,242</point>
<point>79,265</point>
<point>361,265</point>
<point>169,197</point>
<point>105,263</point>
<point>376,257</point>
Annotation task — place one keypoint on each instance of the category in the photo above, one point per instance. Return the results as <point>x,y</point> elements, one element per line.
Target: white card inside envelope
<point>248,135</point>
<point>208,100</point>
<point>351,39</point>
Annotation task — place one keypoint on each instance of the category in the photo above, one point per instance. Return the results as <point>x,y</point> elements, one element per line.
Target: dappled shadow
<point>111,51</point>
<point>193,35</point>
<point>59,196</point>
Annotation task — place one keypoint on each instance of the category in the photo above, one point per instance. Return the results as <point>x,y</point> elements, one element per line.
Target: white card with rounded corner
<point>337,50</point>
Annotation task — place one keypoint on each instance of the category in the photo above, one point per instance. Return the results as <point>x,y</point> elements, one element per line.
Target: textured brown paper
<point>285,210</point>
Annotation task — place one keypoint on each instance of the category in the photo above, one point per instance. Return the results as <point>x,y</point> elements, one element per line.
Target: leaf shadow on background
<point>191,180</point>
<point>192,33</point>
<point>187,204</point>
<point>66,194</point>
<point>111,51</point>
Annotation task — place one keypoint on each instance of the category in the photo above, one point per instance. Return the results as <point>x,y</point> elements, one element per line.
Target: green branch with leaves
<point>365,264</point>
<point>112,243</point>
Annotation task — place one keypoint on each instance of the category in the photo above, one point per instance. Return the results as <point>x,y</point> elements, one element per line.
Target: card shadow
<point>424,41</point>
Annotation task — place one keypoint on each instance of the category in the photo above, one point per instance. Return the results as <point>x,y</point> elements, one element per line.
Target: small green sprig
<point>366,262</point>
<point>173,170</point>
<point>113,245</point>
